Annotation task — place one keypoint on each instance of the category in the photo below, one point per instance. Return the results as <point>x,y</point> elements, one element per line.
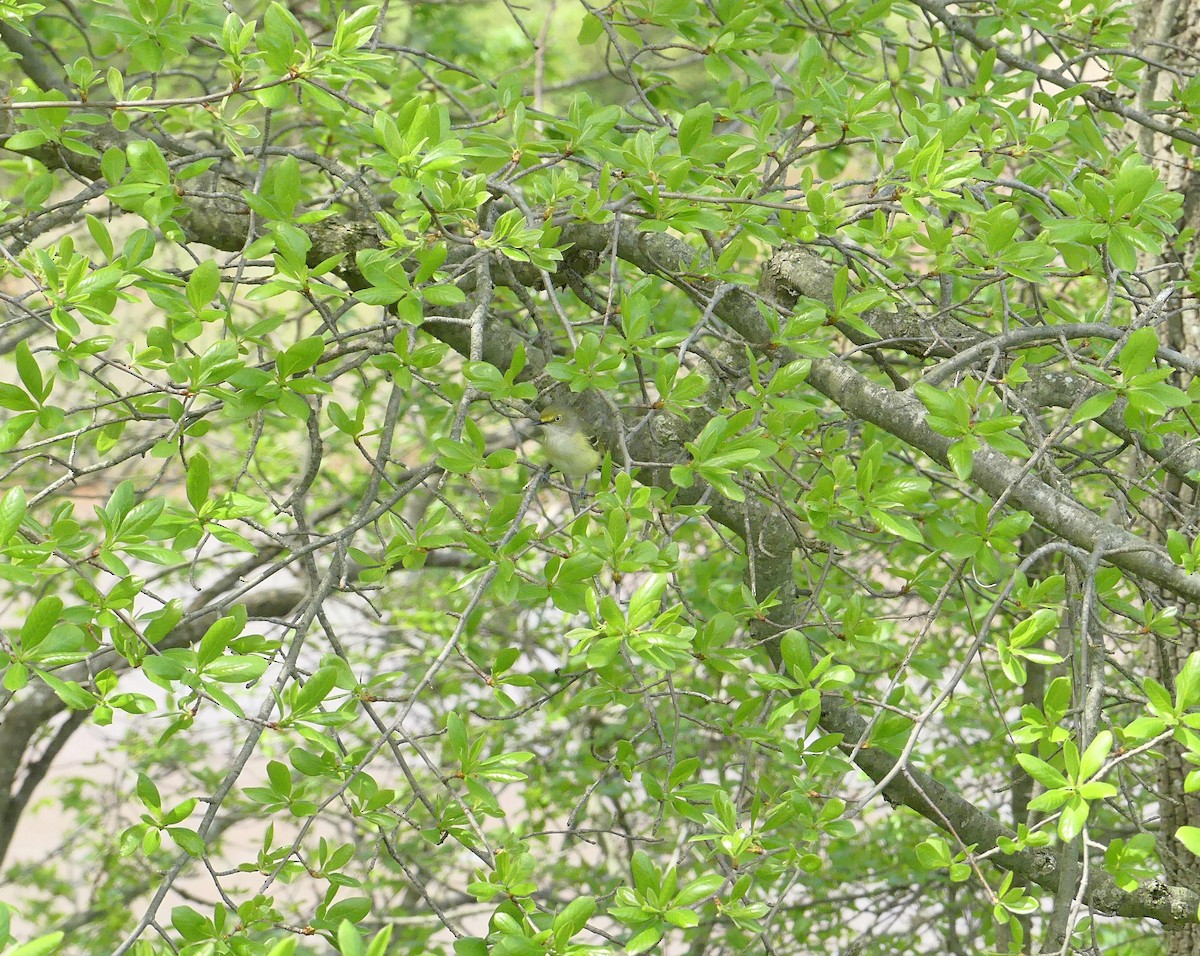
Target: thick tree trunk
<point>1170,32</point>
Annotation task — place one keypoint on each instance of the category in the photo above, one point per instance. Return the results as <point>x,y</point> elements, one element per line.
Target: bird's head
<point>557,415</point>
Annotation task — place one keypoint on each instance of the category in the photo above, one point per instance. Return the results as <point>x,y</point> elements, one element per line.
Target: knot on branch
<point>792,272</point>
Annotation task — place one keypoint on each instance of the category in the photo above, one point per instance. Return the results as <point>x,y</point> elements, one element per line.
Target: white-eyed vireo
<point>567,446</point>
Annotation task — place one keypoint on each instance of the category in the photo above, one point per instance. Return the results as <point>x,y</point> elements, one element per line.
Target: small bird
<point>567,446</point>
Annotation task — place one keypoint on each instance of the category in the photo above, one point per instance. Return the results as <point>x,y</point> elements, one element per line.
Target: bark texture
<point>1170,30</point>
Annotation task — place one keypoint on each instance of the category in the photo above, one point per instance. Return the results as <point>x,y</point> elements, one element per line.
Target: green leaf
<point>190,924</point>
<point>590,30</point>
<point>1073,819</point>
<point>1190,838</point>
<point>236,668</point>
<point>574,917</point>
<point>39,621</point>
<point>301,356</point>
<point>30,373</point>
<point>899,525</point>
<point>644,940</point>
<point>11,396</point>
<point>1097,752</point>
<point>315,690</point>
<point>42,946</point>
<point>444,295</point>
<point>1041,771</point>
<point>698,889</point>
<point>12,513</point>
<point>199,480</point>
<point>26,139</point>
<point>1094,407</point>
<point>147,792</point>
<point>645,875</point>
<point>1187,683</point>
<point>350,942</point>
<point>203,284</point>
<point>1138,351</point>
<point>962,458</point>
<point>695,128</point>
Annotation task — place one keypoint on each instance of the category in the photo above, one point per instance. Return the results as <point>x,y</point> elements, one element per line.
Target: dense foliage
<point>873,634</point>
